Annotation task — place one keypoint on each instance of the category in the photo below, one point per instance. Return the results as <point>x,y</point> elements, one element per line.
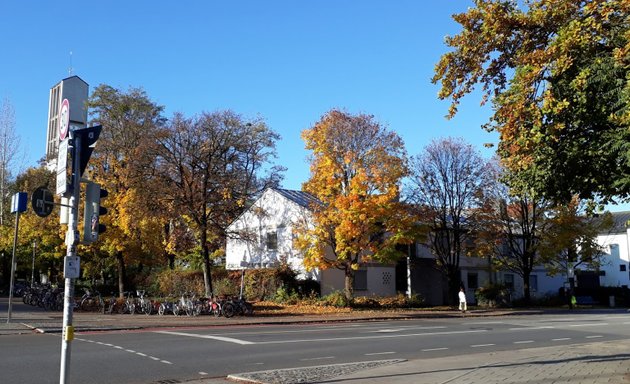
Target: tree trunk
<point>454,281</point>
<point>349,284</point>
<point>207,275</point>
<point>526,290</point>
<point>122,274</point>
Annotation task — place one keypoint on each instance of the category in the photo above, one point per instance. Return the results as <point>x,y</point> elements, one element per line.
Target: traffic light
<point>92,212</point>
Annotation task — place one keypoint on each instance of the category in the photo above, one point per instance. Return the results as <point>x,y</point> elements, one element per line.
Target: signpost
<point>18,204</point>
<point>42,202</point>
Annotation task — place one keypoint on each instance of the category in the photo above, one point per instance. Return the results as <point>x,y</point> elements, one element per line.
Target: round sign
<point>42,202</point>
<point>64,119</point>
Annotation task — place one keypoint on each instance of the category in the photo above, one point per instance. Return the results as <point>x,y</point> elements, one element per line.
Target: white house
<point>615,270</point>
<point>262,237</point>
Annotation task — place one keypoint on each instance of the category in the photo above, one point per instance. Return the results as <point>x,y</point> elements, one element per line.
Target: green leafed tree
<point>212,166</point>
<point>557,74</point>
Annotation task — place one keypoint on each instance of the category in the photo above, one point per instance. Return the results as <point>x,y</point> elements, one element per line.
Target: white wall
<point>271,213</point>
<point>616,247</point>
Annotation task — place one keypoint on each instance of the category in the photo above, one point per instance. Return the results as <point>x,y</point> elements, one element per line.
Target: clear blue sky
<point>286,61</point>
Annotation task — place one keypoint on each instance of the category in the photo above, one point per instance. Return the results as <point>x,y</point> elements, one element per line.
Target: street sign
<point>89,136</point>
<point>62,165</point>
<point>18,202</point>
<point>72,267</point>
<point>42,202</point>
<point>64,119</point>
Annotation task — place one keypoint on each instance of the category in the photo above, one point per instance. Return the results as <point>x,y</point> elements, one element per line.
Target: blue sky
<point>288,62</point>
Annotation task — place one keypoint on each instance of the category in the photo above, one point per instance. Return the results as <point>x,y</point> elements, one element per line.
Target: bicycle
<point>91,301</point>
<point>143,305</point>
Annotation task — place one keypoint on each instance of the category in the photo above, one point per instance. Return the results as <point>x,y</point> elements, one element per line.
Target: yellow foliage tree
<point>356,169</point>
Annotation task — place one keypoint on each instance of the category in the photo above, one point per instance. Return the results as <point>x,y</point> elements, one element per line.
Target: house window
<point>533,283</point>
<point>508,280</point>
<point>473,281</point>
<point>622,267</point>
<point>272,241</point>
<point>360,280</point>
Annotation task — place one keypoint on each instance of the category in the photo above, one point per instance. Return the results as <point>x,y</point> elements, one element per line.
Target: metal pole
<point>72,239</point>
<point>17,223</point>
<point>33,265</point>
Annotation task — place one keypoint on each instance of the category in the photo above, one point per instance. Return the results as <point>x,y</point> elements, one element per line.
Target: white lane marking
<point>318,358</point>
<point>379,353</point>
<point>530,328</point>
<point>481,345</point>
<point>391,330</point>
<point>370,337</point>
<point>203,373</point>
<point>561,339</point>
<point>219,338</point>
<point>486,322</point>
<point>125,349</point>
<point>524,342</point>
<point>587,325</point>
<point>594,337</point>
<point>434,349</point>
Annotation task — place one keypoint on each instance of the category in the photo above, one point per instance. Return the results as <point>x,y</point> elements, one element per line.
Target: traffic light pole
<point>72,240</point>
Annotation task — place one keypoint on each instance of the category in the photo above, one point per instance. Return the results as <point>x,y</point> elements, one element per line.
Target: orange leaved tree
<point>356,169</point>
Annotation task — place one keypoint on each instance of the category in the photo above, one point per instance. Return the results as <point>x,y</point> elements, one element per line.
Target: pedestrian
<point>462,300</point>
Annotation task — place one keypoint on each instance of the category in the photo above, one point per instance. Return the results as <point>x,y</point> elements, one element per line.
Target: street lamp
<point>33,265</point>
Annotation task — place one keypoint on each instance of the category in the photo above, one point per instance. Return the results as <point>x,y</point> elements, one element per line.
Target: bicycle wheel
<point>248,309</point>
<point>216,309</point>
<point>147,307</point>
<point>161,309</point>
<point>228,310</point>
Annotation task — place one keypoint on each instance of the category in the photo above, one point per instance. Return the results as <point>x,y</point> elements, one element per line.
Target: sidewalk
<point>594,363</point>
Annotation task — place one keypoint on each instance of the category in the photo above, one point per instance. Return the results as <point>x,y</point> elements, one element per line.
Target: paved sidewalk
<point>595,363</point>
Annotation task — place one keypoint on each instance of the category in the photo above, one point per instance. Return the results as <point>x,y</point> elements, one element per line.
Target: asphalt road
<point>176,355</point>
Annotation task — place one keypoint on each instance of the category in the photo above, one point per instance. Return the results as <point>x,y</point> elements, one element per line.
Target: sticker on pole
<point>72,267</point>
<point>64,119</point>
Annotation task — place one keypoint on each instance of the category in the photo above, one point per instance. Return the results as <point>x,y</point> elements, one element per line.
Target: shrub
<point>335,299</point>
<point>492,295</point>
<point>286,296</point>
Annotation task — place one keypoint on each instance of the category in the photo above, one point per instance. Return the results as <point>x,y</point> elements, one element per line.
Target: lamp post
<point>33,264</point>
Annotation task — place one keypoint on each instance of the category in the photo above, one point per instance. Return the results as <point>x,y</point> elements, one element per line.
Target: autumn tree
<point>214,164</point>
<point>556,72</point>
<point>9,154</point>
<point>447,184</point>
<point>124,164</point>
<point>45,232</point>
<point>356,170</point>
<point>570,239</point>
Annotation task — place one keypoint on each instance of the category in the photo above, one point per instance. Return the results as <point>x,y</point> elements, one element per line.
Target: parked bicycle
<point>91,301</point>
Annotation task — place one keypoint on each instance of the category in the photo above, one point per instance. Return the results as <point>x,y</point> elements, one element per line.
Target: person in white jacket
<point>462,300</point>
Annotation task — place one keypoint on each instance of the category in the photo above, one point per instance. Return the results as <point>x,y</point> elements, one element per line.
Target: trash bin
<point>611,301</point>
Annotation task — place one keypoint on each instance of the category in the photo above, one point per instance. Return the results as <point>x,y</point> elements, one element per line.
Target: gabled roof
<point>301,198</point>
<point>621,220</point>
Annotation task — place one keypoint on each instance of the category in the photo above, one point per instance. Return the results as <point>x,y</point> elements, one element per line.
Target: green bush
<point>335,299</point>
<point>493,295</point>
<point>286,296</point>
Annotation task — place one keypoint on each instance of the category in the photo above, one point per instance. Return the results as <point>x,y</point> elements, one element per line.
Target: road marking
<point>318,358</point>
<point>587,325</point>
<point>434,349</point>
<point>481,345</point>
<point>379,353</point>
<point>203,373</point>
<point>369,337</point>
<point>524,342</point>
<point>530,328</point>
<point>486,322</point>
<point>391,330</point>
<point>561,339</point>
<point>594,337</point>
<point>166,362</point>
<point>219,338</point>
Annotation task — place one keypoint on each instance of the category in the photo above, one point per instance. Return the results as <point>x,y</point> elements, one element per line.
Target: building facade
<point>76,91</point>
